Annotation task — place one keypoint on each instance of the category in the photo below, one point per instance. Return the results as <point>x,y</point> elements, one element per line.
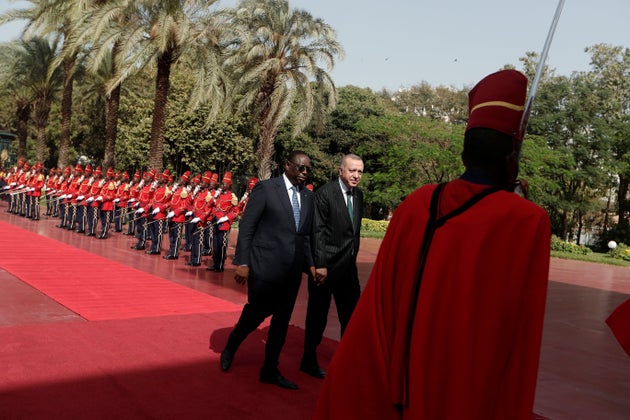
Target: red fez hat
<point>227,178</point>
<point>214,178</point>
<point>20,161</point>
<point>252,182</point>
<point>497,102</point>
<point>196,179</point>
<point>77,168</point>
<point>68,169</point>
<point>186,175</point>
<point>110,171</point>
<point>88,169</point>
<point>166,174</point>
<point>52,170</point>
<point>98,171</point>
<point>137,175</point>
<point>207,176</point>
<point>125,175</point>
<point>152,173</point>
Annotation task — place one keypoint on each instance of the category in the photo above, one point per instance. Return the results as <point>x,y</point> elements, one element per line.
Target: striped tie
<point>350,207</point>
<point>296,207</point>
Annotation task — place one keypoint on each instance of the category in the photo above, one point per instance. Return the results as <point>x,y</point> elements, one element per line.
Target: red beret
<point>497,102</point>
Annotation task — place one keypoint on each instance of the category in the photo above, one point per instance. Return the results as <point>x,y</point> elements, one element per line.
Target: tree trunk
<point>42,112</point>
<point>111,127</point>
<point>22,115</point>
<point>162,84</point>
<point>66,111</point>
<point>622,199</point>
<point>265,150</point>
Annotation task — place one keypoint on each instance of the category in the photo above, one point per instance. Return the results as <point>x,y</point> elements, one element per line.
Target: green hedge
<point>558,244</point>
<point>622,252</point>
<point>375,226</point>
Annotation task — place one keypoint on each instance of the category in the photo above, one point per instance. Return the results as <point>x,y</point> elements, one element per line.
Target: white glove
<point>223,219</point>
<point>6,187</point>
<point>188,213</point>
<point>137,204</point>
<point>116,200</point>
<point>99,198</point>
<point>195,220</point>
<point>140,210</point>
<point>32,189</point>
<point>12,184</point>
<point>61,197</point>
<point>170,214</point>
<point>44,188</point>
<point>89,200</point>
<point>155,211</point>
<point>69,196</point>
<point>79,198</point>
<point>131,200</point>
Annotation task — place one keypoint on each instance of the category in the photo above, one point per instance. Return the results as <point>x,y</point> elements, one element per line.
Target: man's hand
<point>242,274</point>
<point>319,275</point>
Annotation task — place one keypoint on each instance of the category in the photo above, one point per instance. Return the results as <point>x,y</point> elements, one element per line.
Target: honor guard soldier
<point>83,194</point>
<point>214,190</point>
<point>49,189</point>
<point>248,191</point>
<point>157,218</point>
<point>134,193</point>
<point>200,215</point>
<point>106,199</point>
<point>93,208</point>
<point>123,193</point>
<point>64,188</point>
<point>71,197</point>
<point>21,192</point>
<point>224,212</point>
<point>37,184</point>
<point>56,193</point>
<point>189,227</point>
<point>145,197</point>
<point>181,200</point>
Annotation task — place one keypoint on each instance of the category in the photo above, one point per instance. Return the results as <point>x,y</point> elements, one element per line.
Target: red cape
<point>475,342</point>
<point>619,323</point>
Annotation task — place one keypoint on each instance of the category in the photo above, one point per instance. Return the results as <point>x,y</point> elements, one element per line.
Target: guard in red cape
<point>619,323</point>
<point>123,193</point>
<point>224,212</point>
<point>134,191</point>
<point>159,209</point>
<point>146,192</point>
<point>94,204</point>
<point>82,195</point>
<point>449,325</point>
<point>200,214</point>
<point>106,198</point>
<point>181,200</point>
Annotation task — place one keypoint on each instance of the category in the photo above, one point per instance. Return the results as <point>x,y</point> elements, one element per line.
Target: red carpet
<point>94,287</point>
<point>147,368</point>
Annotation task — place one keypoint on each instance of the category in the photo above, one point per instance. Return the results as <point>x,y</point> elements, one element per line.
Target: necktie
<point>350,207</point>
<point>296,207</point>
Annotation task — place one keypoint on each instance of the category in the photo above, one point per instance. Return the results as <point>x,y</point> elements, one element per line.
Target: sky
<point>401,43</point>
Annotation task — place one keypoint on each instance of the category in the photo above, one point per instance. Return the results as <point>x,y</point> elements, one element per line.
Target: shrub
<point>558,244</point>
<point>369,225</point>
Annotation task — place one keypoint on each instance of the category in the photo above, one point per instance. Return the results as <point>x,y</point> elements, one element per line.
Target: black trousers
<point>268,299</point>
<point>346,290</point>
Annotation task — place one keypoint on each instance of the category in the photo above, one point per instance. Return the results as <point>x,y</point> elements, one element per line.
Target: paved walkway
<point>584,374</point>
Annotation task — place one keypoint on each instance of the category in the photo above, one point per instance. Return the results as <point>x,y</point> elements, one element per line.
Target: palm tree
<point>55,18</point>
<point>278,69</point>
<point>11,85</point>
<point>152,32</point>
<point>33,59</point>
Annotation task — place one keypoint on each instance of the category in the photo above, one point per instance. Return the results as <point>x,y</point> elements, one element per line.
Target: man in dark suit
<point>273,247</point>
<point>336,235</point>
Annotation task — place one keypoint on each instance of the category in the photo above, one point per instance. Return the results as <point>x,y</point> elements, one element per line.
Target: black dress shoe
<point>152,252</point>
<point>170,257</point>
<point>102,237</point>
<point>278,380</point>
<point>313,370</point>
<point>90,234</point>
<point>215,269</point>
<point>139,248</point>
<point>192,264</point>
<point>80,231</point>
<point>226,359</point>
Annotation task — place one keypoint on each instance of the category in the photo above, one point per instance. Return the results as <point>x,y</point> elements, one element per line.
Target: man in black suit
<point>336,235</point>
<point>273,247</point>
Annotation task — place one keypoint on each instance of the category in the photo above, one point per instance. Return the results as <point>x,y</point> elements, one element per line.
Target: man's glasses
<point>300,168</point>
